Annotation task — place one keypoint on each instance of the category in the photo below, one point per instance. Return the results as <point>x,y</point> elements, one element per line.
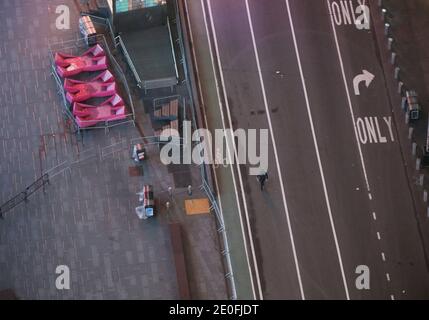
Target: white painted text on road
<point>373,130</point>
<point>348,12</point>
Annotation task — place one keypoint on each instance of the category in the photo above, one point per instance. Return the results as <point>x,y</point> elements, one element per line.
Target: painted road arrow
<point>365,76</point>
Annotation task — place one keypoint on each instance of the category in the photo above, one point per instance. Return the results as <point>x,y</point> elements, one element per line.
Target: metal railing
<point>152,83</point>
<point>60,91</point>
<point>229,275</point>
<point>102,21</point>
<point>24,195</point>
<point>75,47</point>
<point>172,47</point>
<point>120,42</point>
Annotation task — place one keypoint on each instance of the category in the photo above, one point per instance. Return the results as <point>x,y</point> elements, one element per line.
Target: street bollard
<point>418,162</point>
<point>404,103</point>
<point>421,179</point>
<point>386,28</point>
<point>167,206</point>
<point>393,58</point>
<point>397,70</point>
<point>390,43</point>
<point>425,196</point>
<point>400,86</point>
<point>407,118</point>
<point>383,14</point>
<point>410,133</point>
<point>170,192</point>
<point>190,190</point>
<point>414,148</point>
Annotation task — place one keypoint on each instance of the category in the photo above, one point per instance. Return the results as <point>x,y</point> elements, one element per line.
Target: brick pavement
<point>86,218</point>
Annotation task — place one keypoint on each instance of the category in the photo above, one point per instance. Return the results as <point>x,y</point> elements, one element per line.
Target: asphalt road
<point>337,196</point>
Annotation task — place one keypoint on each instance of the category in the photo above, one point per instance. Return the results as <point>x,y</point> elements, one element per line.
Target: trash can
<point>146,197</point>
<point>139,153</point>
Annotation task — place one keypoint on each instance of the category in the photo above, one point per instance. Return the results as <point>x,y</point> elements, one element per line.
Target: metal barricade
<point>24,195</point>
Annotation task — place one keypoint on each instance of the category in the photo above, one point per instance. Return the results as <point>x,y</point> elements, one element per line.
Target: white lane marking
<point>351,110</point>
<point>374,216</point>
<point>206,123</point>
<point>229,155</point>
<point>383,257</point>
<point>273,139</point>
<point>307,101</point>
<point>378,236</point>
<point>249,230</point>
<point>349,100</point>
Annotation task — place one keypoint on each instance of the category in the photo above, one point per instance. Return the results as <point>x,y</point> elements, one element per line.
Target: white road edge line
<point>206,123</point>
<point>349,100</point>
<point>307,101</point>
<point>235,152</point>
<point>267,110</point>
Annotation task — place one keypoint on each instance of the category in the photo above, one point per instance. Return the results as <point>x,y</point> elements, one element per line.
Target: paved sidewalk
<point>86,219</point>
<point>227,194</point>
<point>409,28</point>
<point>409,22</point>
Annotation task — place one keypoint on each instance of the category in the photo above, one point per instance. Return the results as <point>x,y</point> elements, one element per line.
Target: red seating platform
<point>92,60</point>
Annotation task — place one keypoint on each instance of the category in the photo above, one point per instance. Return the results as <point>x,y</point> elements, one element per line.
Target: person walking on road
<point>262,178</point>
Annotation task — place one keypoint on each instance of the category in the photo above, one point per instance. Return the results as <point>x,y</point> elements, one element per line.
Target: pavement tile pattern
<point>86,217</point>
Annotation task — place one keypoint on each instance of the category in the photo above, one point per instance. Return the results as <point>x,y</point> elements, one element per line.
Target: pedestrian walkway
<point>409,22</point>
<point>86,220</point>
<point>227,195</point>
<point>408,27</point>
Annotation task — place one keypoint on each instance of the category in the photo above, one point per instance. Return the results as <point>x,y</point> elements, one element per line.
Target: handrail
<point>24,195</point>
<point>106,22</point>
<point>129,61</point>
<point>172,47</point>
<point>66,111</point>
<point>120,72</point>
